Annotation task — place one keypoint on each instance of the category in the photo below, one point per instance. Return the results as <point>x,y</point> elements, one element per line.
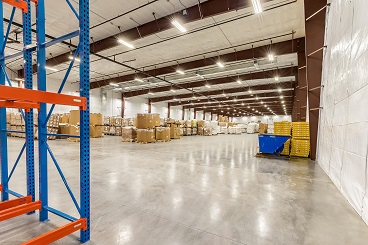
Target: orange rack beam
<point>19,210</point>
<point>54,235</point>
<point>15,202</point>
<point>35,96</point>
<point>19,105</point>
<point>18,4</point>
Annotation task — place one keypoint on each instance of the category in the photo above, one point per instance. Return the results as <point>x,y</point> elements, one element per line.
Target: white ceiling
<point>241,31</point>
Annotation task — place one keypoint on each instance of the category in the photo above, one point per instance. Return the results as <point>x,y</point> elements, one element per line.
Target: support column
<point>315,13</point>
<point>29,122</point>
<point>149,106</point>
<point>42,124</point>
<point>84,73</point>
<point>204,115</point>
<point>168,110</point>
<point>182,113</point>
<point>3,133</point>
<point>195,114</point>
<point>122,106</point>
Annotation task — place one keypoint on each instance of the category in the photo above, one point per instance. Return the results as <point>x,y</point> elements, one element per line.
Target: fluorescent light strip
<point>179,26</point>
<point>139,80</point>
<point>76,59</point>
<point>257,6</point>
<point>51,68</point>
<point>180,72</point>
<point>114,84</point>
<point>126,43</point>
<point>220,64</point>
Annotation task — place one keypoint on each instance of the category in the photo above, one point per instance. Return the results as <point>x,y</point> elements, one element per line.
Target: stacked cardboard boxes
<point>146,124</point>
<point>128,134</point>
<point>300,142</point>
<point>163,134</point>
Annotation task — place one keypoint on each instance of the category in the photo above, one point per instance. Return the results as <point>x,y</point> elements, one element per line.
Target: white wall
<point>160,108</point>
<point>343,124</point>
<point>135,105</point>
<point>176,112</point>
<point>263,119</point>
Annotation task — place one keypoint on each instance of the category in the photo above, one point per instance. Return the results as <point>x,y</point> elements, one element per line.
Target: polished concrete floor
<point>197,190</point>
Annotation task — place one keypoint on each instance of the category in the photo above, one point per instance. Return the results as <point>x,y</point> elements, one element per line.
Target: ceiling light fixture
<point>72,58</point>
<point>114,84</point>
<point>19,79</point>
<point>126,43</point>
<point>181,72</point>
<point>219,63</point>
<point>51,68</point>
<point>280,90</point>
<point>138,80</point>
<point>179,26</point>
<point>281,97</point>
<point>271,57</point>
<point>257,6</point>
<point>150,93</point>
<point>250,91</point>
<point>276,78</point>
<point>239,81</point>
<point>208,86</point>
<point>173,90</point>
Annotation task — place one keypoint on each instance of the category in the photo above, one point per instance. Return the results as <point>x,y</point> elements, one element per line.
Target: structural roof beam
<point>280,48</point>
<point>227,92</point>
<point>258,74</point>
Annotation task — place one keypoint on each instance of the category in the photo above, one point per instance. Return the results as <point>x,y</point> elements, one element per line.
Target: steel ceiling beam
<point>273,105</point>
<point>228,92</point>
<point>207,9</point>
<point>280,48</point>
<point>240,103</point>
<point>259,74</point>
<point>244,98</point>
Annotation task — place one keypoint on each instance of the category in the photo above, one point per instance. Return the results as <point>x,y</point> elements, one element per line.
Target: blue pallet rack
<point>27,99</point>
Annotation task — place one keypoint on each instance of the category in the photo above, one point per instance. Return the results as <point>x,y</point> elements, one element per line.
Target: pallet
<point>128,141</point>
<point>73,139</point>
<point>146,142</point>
<point>163,140</point>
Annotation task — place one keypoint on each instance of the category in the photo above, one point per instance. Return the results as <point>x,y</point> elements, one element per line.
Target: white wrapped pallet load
<point>256,130</point>
<point>215,127</point>
<point>222,124</point>
<point>243,127</point>
<point>234,130</point>
<point>223,130</point>
<point>251,129</point>
<point>238,130</point>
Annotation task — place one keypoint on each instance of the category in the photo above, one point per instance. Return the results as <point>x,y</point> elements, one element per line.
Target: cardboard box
<point>95,131</point>
<point>96,119</point>
<point>74,130</point>
<point>117,130</point>
<point>263,128</point>
<point>64,118</point>
<point>63,129</point>
<point>74,117</point>
<point>148,121</point>
<point>201,123</point>
<point>146,135</point>
<point>174,132</point>
<point>163,133</point>
<point>207,131</point>
<point>106,129</point>
<point>200,131</point>
<point>128,134</point>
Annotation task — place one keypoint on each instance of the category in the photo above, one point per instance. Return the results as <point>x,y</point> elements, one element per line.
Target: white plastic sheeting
<point>343,128</point>
<point>251,129</point>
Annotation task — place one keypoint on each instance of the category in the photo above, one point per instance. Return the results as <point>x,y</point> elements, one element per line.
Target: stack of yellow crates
<point>283,128</point>
<point>300,143</point>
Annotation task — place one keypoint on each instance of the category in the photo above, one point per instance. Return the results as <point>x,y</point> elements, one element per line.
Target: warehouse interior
<point>183,122</point>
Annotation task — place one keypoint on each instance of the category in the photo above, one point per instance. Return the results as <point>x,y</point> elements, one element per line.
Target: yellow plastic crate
<point>286,150</point>
<point>300,147</point>
<point>300,130</point>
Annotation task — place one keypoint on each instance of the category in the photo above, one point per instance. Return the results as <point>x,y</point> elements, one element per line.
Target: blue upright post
<point>27,40</point>
<point>42,125</point>
<point>3,133</point>
<point>84,117</point>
